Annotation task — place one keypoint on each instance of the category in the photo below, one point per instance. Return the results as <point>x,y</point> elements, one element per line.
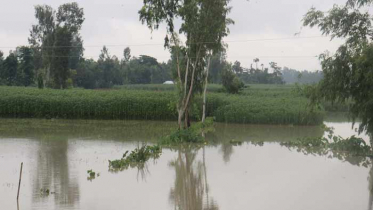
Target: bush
<point>231,83</point>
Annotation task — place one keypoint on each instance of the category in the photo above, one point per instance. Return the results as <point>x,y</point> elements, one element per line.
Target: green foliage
<point>193,134</point>
<point>235,142</point>
<point>45,192</point>
<point>258,104</point>
<point>50,39</point>
<point>40,80</point>
<point>60,61</point>
<point>204,23</point>
<point>267,106</point>
<point>26,66</point>
<point>231,82</point>
<point>85,104</point>
<point>137,158</point>
<point>91,175</point>
<point>9,71</point>
<point>348,73</point>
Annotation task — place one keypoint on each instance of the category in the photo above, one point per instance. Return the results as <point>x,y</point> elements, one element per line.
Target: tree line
<point>55,59</point>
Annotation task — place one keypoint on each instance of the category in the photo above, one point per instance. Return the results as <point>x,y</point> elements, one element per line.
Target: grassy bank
<point>257,104</point>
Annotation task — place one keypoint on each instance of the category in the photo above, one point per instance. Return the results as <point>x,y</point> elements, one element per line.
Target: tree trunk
<point>180,117</point>
<point>204,92</point>
<point>186,119</point>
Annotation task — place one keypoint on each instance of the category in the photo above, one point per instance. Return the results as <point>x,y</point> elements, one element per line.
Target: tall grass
<point>258,105</point>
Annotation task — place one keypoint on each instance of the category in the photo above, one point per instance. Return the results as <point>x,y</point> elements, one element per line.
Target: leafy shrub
<point>231,82</point>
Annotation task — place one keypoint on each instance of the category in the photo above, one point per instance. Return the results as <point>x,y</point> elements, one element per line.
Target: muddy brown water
<point>58,153</point>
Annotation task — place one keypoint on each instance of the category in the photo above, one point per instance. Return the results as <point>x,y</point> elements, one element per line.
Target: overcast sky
<point>259,28</point>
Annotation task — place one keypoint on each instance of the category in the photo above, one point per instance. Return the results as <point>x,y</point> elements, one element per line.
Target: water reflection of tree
<point>52,173</point>
<point>227,150</point>
<point>191,190</point>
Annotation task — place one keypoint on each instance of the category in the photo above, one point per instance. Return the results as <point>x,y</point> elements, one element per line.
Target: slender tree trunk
<point>180,117</point>
<point>205,90</point>
<point>186,119</point>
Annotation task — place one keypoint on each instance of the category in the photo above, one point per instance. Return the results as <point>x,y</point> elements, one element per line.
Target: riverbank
<point>261,104</point>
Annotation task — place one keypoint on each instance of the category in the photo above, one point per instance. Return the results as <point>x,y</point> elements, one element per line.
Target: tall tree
<point>42,38</point>
<point>60,64</point>
<point>256,60</point>
<point>26,66</point>
<point>127,55</point>
<point>10,66</point>
<point>2,79</point>
<point>348,73</point>
<point>237,68</point>
<point>69,17</point>
<point>204,24</point>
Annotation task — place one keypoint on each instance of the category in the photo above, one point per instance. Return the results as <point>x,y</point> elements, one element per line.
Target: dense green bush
<point>231,82</point>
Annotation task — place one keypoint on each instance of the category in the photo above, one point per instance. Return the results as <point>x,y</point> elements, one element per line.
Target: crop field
<point>259,104</point>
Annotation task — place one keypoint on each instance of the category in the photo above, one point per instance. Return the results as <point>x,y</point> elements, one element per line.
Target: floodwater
<point>57,154</point>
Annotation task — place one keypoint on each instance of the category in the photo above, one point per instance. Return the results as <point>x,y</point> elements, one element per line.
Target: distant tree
<point>2,78</point>
<point>60,62</point>
<point>348,73</point>
<point>231,83</point>
<point>10,66</point>
<point>106,66</point>
<point>69,17</point>
<point>42,38</point>
<point>218,63</point>
<point>237,67</point>
<point>26,65</point>
<point>127,55</point>
<point>291,76</point>
<point>256,60</point>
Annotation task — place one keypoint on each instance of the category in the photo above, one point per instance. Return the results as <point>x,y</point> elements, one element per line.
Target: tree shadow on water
<point>191,189</point>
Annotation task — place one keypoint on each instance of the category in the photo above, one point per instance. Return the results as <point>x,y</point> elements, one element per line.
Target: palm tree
<point>256,60</point>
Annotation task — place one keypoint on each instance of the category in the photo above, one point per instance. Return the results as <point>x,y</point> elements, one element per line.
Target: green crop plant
<point>257,104</point>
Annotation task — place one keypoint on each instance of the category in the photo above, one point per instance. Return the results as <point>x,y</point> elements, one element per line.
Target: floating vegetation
<point>353,145</point>
<point>335,147</point>
<point>92,175</point>
<point>45,192</point>
<point>257,143</point>
<point>194,134</point>
<point>235,142</point>
<point>137,158</point>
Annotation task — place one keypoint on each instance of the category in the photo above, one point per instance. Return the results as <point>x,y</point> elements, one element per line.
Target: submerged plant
<point>137,158</point>
<point>195,134</point>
